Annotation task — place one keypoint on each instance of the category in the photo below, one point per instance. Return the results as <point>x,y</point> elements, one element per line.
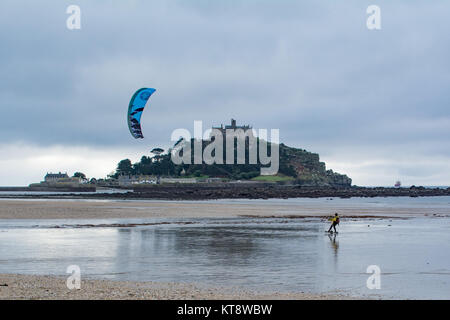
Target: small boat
<point>398,184</point>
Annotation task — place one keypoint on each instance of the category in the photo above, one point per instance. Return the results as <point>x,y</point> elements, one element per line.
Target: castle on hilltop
<point>231,126</point>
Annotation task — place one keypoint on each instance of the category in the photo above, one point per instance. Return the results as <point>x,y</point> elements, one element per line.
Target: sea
<point>367,258</point>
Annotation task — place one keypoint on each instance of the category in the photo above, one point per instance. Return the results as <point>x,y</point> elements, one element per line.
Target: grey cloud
<point>311,69</point>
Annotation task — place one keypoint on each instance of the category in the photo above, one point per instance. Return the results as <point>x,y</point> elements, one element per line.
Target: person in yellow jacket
<point>334,222</point>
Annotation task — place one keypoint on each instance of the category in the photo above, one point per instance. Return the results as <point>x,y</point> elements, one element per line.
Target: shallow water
<point>264,254</point>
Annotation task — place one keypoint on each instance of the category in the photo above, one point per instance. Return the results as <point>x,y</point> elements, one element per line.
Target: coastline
<point>44,287</point>
<point>237,191</point>
<point>117,209</point>
<point>128,230</point>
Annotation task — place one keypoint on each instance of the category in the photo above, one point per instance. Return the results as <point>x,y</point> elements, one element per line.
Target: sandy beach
<point>222,249</point>
<point>13,286</point>
<point>91,209</point>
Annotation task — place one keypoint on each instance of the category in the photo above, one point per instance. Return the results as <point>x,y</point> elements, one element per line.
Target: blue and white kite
<point>135,109</point>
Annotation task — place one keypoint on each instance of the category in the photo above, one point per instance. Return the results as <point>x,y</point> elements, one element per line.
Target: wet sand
<point>66,209</point>
<point>14,287</point>
<point>118,247</point>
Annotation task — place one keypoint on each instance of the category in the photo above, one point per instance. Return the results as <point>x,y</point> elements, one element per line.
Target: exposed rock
<point>246,191</point>
<point>309,170</point>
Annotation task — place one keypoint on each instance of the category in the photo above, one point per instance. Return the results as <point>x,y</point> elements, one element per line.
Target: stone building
<point>232,126</point>
<point>55,177</point>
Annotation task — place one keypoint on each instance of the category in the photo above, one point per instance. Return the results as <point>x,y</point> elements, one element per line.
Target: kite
<point>135,109</point>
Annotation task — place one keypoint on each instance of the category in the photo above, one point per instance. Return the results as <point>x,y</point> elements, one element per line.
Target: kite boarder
<point>334,222</point>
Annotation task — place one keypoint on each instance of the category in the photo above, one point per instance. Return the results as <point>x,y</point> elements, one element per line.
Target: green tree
<point>125,167</point>
<point>79,175</point>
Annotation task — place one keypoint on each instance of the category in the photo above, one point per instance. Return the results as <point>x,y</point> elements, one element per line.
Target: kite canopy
<point>135,109</point>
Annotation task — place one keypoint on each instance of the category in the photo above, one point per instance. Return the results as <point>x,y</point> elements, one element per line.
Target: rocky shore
<point>81,188</point>
<point>246,191</point>
<point>277,191</point>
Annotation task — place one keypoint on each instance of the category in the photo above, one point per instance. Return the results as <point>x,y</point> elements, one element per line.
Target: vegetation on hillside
<point>297,165</point>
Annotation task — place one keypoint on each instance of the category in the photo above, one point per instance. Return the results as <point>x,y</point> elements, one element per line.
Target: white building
<point>54,177</point>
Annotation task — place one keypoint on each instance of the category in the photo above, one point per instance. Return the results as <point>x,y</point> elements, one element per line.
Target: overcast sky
<point>373,104</point>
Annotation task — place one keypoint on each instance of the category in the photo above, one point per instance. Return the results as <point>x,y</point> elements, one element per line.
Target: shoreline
<point>116,214</point>
<point>44,287</point>
<point>241,191</point>
<point>116,209</point>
